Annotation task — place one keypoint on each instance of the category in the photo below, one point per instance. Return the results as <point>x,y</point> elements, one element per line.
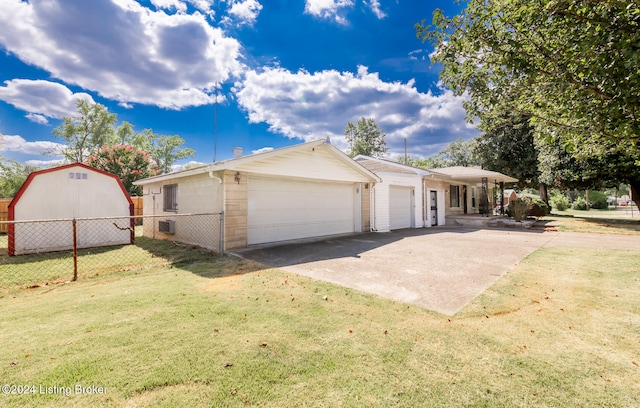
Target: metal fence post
<point>75,251</point>
<point>221,245</point>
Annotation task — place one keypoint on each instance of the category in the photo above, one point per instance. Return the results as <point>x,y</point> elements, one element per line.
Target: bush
<point>580,204</point>
<point>561,202</point>
<point>536,207</point>
<point>518,209</point>
<point>598,200</point>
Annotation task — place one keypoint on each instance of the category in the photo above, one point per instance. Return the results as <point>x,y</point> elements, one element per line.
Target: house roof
<point>236,163</point>
<point>35,174</point>
<point>383,165</point>
<point>473,174</point>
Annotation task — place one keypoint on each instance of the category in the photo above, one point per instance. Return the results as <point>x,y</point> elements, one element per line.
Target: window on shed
<point>171,197</point>
<point>454,196</point>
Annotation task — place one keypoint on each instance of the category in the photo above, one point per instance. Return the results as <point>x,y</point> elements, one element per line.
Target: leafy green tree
<point>91,129</point>
<point>509,148</point>
<point>126,162</point>
<point>457,153</point>
<point>365,137</point>
<point>572,64</point>
<point>12,176</point>
<point>164,150</point>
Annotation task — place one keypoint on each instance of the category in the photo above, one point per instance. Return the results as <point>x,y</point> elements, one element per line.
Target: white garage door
<point>400,199</point>
<point>280,210</point>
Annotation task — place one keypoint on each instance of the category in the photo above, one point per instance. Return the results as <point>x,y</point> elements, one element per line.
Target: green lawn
<point>594,221</point>
<point>560,329</point>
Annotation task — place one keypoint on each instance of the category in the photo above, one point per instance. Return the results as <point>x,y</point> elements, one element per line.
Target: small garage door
<point>400,199</point>
<point>280,210</point>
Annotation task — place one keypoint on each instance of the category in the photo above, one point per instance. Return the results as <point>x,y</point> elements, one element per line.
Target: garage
<point>400,207</point>
<point>284,209</point>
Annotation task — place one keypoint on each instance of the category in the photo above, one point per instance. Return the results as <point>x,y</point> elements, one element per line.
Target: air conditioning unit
<point>168,226</point>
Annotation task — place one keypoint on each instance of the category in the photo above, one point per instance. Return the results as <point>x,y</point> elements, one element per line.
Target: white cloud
<point>37,118</point>
<point>44,163</point>
<point>14,143</point>
<point>315,105</point>
<point>328,9</point>
<point>170,4</point>
<point>262,150</point>
<point>245,11</point>
<point>42,99</point>
<point>374,5</point>
<point>122,50</point>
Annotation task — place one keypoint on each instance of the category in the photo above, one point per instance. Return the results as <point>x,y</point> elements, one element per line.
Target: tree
<point>164,150</point>
<point>85,133</point>
<point>366,138</point>
<point>509,148</point>
<point>12,176</point>
<point>572,64</point>
<point>457,153</point>
<point>126,162</point>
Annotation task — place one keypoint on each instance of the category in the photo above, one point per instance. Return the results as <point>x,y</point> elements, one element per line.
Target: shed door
<point>280,210</point>
<point>400,206</point>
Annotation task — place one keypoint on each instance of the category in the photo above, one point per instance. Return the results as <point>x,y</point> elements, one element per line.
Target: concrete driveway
<point>440,268</point>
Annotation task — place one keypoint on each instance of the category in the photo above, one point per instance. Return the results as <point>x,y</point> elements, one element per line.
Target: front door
<point>434,207</point>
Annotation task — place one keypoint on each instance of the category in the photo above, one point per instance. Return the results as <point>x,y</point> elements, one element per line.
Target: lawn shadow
<point>598,222</point>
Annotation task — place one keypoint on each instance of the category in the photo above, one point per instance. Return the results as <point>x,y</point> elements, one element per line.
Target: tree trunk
<point>544,196</point>
<point>635,192</point>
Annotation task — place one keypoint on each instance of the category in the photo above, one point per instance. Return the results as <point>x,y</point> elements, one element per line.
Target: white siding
<point>382,206</point>
<point>312,163</point>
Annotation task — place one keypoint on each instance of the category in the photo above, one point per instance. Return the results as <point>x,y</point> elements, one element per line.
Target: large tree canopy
<point>509,148</point>
<point>569,63</point>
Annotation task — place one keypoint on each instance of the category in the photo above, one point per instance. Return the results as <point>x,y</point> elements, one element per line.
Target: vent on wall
<point>168,226</point>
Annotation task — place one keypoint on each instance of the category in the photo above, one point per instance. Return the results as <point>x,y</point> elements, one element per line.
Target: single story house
<point>307,190</point>
<point>411,197</point>
<point>66,192</point>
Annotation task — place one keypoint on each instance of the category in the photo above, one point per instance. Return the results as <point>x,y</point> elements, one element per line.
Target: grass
<point>42,269</point>
<point>560,329</point>
<point>594,221</point>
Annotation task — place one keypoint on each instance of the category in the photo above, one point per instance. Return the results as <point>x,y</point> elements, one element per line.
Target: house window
<point>454,196</point>
<point>171,198</point>
<point>473,197</point>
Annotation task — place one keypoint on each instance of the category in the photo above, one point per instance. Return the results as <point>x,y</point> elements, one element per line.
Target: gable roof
<point>237,163</point>
<point>473,174</point>
<point>35,174</point>
<point>377,164</point>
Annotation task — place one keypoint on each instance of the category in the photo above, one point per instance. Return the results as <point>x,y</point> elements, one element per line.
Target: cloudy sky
<point>284,72</point>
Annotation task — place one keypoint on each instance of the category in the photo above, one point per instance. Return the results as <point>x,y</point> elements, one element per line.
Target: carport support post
<point>75,251</point>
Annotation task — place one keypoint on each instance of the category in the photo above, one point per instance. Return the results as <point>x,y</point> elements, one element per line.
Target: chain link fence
<point>40,252</point>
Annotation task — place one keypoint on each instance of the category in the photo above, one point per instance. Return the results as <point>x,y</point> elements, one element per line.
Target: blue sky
<point>287,71</point>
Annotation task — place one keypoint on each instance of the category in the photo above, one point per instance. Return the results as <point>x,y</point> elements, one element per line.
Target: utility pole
<point>215,125</point>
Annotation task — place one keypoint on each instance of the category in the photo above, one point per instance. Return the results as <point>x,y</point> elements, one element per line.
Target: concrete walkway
<point>440,268</point>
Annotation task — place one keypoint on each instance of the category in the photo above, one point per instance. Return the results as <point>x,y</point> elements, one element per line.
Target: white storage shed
<point>73,191</point>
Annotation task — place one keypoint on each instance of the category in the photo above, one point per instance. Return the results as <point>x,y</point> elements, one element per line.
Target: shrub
<point>518,209</point>
<point>561,202</point>
<point>537,207</point>
<point>580,204</point>
<point>598,200</point>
